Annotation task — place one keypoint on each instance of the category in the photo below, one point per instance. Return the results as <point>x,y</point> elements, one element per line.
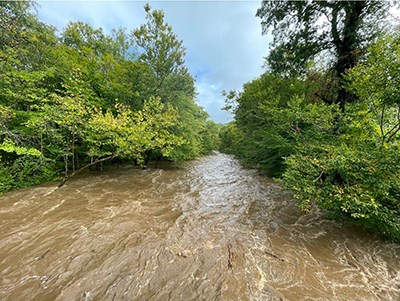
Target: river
<point>163,234</point>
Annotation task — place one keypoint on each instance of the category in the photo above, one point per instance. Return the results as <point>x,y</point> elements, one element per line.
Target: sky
<point>223,40</point>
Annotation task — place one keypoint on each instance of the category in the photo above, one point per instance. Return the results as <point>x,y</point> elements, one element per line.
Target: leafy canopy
<point>304,29</point>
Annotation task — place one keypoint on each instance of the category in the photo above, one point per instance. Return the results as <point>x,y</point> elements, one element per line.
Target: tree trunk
<point>346,46</point>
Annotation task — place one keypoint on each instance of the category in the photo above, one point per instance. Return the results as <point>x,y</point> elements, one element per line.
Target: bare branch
<point>83,168</point>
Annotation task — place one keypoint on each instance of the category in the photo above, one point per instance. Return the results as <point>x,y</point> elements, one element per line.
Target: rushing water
<point>163,234</point>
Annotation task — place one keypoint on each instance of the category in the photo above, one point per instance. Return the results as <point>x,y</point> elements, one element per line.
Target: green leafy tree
<point>210,137</point>
<point>24,70</point>
<point>351,179</point>
<point>376,81</point>
<point>132,135</point>
<point>303,30</point>
<point>69,102</point>
<point>273,114</point>
<point>90,41</point>
<point>231,139</point>
<point>159,47</point>
<point>163,52</point>
<point>356,175</point>
<point>22,166</point>
<point>23,65</point>
<point>68,112</point>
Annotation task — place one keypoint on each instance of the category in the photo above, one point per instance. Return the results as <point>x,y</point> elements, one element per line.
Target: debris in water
<point>231,256</point>
<point>86,295</point>
<point>275,256</point>
<point>43,255</point>
<point>181,254</point>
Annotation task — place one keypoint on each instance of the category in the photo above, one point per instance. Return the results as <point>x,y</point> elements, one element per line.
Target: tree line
<point>84,96</point>
<point>324,118</point>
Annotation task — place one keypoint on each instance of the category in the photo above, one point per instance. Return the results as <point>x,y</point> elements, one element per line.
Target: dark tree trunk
<point>346,44</point>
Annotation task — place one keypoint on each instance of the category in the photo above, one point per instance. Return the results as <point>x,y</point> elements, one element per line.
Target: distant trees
<point>87,96</point>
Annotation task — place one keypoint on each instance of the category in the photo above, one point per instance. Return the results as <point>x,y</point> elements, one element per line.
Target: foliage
<point>162,51</point>
<point>273,117</point>
<point>28,166</point>
<point>86,95</point>
<point>160,47</point>
<point>231,139</point>
<point>346,163</point>
<point>25,171</point>
<point>8,146</point>
<point>352,176</point>
<point>210,137</point>
<point>309,31</point>
<point>303,29</point>
<point>131,135</point>
<point>377,82</point>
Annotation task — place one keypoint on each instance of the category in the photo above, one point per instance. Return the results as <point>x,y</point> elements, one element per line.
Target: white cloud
<point>224,44</point>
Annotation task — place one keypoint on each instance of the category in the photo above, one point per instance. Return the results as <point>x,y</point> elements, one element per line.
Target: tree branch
<point>397,125</point>
<point>334,29</point>
<point>381,124</point>
<point>83,168</point>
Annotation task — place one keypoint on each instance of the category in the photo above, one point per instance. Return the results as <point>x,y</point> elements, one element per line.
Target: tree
<point>162,51</point>
<point>87,97</point>
<point>25,45</point>
<point>303,30</point>
<point>356,175</point>
<point>24,40</point>
<point>160,48</point>
<point>210,137</point>
<point>376,81</point>
<point>19,26</point>
<point>90,41</point>
<point>271,113</point>
<point>132,135</point>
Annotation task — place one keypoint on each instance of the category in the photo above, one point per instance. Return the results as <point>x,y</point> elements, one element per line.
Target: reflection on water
<point>164,234</point>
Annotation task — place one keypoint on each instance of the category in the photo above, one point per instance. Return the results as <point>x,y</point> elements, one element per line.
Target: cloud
<point>224,44</point>
<point>105,14</point>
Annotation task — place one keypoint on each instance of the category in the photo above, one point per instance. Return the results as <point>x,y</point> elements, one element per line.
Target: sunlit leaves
<point>9,146</point>
<point>128,134</point>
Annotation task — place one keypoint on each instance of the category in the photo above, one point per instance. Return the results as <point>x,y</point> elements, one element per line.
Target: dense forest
<point>84,96</point>
<point>325,117</point>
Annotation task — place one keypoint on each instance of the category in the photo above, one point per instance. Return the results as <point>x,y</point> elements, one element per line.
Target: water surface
<point>163,234</point>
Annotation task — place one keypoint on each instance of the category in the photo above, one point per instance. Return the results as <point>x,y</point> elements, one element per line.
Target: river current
<point>163,234</point>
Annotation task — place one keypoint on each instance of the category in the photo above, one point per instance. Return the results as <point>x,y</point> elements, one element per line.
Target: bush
<point>360,182</point>
<point>25,171</point>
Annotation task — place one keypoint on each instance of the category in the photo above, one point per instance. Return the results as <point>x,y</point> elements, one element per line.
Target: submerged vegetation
<point>325,117</point>
<point>84,96</point>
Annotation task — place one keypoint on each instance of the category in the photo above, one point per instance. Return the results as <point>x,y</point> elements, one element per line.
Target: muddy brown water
<point>163,234</point>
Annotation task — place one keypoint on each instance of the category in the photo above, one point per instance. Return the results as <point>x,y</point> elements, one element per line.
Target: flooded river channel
<point>163,234</point>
